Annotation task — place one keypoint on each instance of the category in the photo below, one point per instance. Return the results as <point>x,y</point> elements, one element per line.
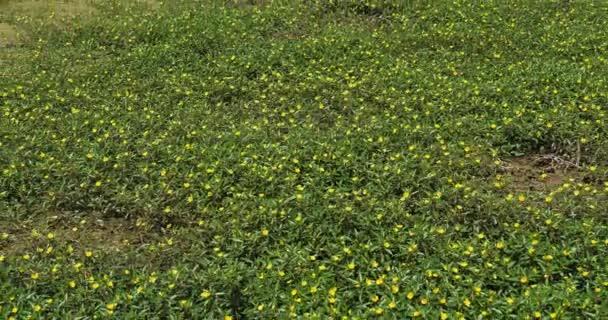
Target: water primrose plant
<point>305,159</point>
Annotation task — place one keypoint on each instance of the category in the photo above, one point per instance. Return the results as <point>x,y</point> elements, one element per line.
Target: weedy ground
<point>309,159</point>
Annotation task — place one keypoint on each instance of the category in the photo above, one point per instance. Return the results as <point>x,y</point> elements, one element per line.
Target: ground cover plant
<point>309,159</point>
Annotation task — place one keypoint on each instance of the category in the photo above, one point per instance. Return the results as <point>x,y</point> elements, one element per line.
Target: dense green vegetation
<point>312,159</point>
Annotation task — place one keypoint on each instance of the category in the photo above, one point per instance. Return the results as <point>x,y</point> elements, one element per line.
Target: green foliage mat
<point>311,160</point>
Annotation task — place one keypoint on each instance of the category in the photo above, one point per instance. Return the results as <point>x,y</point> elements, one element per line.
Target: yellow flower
<point>410,295</point>
<point>523,280</point>
<point>332,291</point>
<point>37,308</point>
<point>72,284</point>
<point>205,294</point>
<point>35,276</point>
<point>265,232</point>
<point>227,318</point>
<point>467,302</point>
<point>392,305</point>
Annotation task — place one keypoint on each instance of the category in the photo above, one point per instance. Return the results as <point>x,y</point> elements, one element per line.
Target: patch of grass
<point>308,159</point>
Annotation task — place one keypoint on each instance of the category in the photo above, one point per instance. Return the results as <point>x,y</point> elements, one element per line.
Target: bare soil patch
<point>541,172</point>
<point>55,9</point>
<point>107,235</point>
<point>9,35</point>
